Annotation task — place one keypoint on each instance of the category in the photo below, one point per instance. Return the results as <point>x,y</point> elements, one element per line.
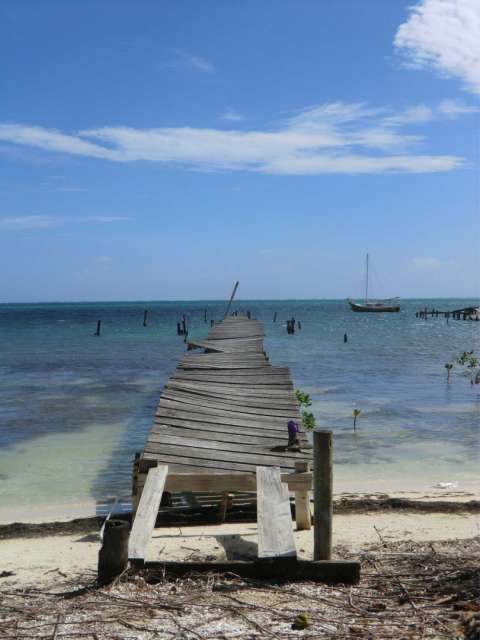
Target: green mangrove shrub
<point>308,419</point>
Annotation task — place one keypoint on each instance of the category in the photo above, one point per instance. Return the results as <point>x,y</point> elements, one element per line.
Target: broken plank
<point>275,531</point>
<point>146,514</point>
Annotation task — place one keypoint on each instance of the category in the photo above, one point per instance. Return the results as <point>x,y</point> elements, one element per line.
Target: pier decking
<point>226,409</point>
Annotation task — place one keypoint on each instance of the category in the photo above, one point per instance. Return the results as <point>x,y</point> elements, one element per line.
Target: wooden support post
<point>145,316</point>
<point>225,503</point>
<point>426,313</point>
<point>231,299</point>
<point>179,329</point>
<point>205,316</point>
<point>275,316</point>
<point>212,322</point>
<point>303,515</point>
<point>113,555</point>
<point>184,325</point>
<point>97,332</point>
<point>322,496</point>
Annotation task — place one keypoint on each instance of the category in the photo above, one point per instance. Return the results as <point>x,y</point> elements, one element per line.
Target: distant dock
<point>467,313</point>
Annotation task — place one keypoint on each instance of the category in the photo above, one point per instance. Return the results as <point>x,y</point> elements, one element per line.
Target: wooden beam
<point>146,515</point>
<point>275,532</point>
<point>330,572</point>
<point>230,481</point>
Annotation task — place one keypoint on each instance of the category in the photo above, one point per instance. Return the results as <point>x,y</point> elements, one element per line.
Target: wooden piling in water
<point>322,495</point>
<point>275,316</point>
<point>99,325</point>
<point>145,317</point>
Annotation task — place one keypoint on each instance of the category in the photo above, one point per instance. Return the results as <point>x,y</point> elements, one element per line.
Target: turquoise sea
<point>74,408</point>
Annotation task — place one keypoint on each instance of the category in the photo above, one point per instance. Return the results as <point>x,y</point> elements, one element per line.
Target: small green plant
<point>308,421</point>
<point>355,413</point>
<point>469,361</point>
<point>302,621</point>
<point>448,367</point>
<point>303,398</point>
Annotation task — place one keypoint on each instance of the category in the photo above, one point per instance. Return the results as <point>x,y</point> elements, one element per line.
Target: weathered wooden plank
<point>213,448</point>
<point>146,514</point>
<point>275,532</point>
<point>271,382</point>
<point>221,417</point>
<point>222,365</point>
<point>269,394</point>
<point>206,399</point>
<point>269,371</point>
<point>179,462</point>
<point>231,481</point>
<point>203,423</point>
<point>287,402</point>
<point>230,458</point>
<point>178,400</point>
<point>267,439</point>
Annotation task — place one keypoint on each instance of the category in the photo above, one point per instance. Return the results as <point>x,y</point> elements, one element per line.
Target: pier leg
<point>225,503</point>
<point>145,317</point>
<point>113,556</point>
<point>322,495</point>
<point>303,515</point>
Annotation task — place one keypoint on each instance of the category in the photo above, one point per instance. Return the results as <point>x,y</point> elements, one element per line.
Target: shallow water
<point>74,408</point>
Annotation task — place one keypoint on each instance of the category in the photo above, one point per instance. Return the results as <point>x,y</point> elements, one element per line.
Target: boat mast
<point>366,283</point>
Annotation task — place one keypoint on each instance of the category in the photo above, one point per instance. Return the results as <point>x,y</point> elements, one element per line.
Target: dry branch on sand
<point>407,591</point>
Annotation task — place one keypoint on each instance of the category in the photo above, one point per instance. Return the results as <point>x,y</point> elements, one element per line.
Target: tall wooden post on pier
<point>322,495</point>
<point>99,326</point>
<point>231,299</point>
<point>145,317</point>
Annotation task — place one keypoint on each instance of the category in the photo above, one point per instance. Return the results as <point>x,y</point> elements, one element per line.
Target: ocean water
<point>74,408</point>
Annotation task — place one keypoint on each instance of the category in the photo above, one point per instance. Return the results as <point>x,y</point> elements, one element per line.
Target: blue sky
<point>162,150</point>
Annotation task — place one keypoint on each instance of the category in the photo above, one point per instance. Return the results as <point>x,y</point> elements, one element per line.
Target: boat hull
<point>373,308</point>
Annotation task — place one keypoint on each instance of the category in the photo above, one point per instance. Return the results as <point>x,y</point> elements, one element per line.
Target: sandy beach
<point>418,580</point>
<point>44,557</point>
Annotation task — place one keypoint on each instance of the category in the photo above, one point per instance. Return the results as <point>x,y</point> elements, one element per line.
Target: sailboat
<point>373,306</point>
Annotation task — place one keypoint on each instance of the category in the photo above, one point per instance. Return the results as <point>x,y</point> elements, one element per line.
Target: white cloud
<point>444,35</point>
<point>454,108</point>
<point>24,223</point>
<point>329,138</point>
<point>427,264</point>
<point>185,58</point>
<point>21,223</point>
<point>231,115</point>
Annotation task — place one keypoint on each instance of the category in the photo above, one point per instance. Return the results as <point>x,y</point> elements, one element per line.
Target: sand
<point>48,562</point>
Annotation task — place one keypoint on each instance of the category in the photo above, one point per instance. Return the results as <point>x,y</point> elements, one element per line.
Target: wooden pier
<point>466,313</point>
<point>226,409</point>
<point>220,428</point>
